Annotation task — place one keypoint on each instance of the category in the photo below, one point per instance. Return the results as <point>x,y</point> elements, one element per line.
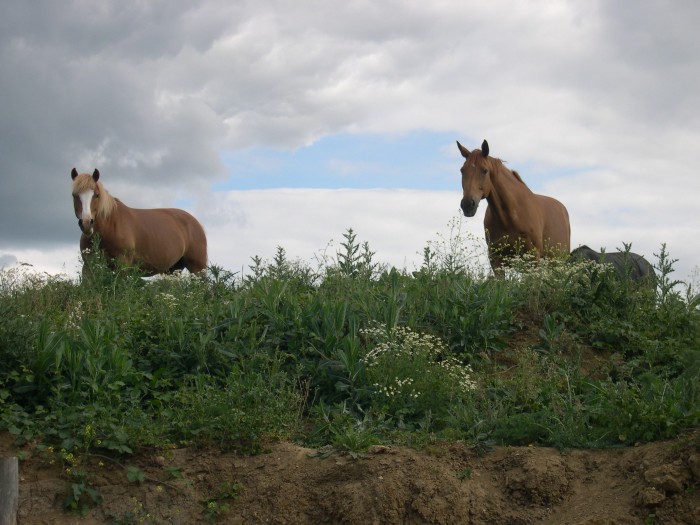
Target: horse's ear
<point>73,173</point>
<point>96,175</point>
<point>464,151</point>
<point>485,148</point>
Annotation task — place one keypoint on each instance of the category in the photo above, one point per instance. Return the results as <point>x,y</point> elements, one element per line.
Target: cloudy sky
<point>284,123</point>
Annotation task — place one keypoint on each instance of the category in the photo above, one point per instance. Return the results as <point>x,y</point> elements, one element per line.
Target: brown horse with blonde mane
<point>517,220</point>
<point>156,240</point>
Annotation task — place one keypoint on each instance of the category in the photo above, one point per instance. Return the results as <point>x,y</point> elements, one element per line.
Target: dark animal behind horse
<point>626,264</point>
<point>159,240</point>
<point>517,220</point>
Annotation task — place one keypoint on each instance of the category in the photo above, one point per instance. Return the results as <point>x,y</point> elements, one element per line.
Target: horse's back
<point>584,252</point>
<point>193,228</point>
<point>171,239</point>
<point>195,255</point>
<point>629,264</point>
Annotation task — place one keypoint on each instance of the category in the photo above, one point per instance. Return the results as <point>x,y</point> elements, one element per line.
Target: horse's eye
<point>96,196</point>
<point>484,171</point>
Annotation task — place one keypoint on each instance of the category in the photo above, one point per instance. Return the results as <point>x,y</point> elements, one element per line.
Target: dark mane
<point>501,164</point>
<point>517,176</point>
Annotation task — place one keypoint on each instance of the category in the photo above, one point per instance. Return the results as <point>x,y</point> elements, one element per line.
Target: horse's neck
<point>108,222</point>
<point>507,194</point>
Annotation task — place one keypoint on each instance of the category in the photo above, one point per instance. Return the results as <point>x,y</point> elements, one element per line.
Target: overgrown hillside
<point>342,357</point>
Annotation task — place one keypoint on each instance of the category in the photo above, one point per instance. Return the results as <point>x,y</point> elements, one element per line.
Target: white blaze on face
<point>86,214</point>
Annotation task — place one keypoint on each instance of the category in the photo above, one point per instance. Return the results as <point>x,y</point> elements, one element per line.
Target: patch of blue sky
<point>416,160</point>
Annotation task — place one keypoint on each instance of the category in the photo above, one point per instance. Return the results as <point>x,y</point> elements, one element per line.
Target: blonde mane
<point>106,203</point>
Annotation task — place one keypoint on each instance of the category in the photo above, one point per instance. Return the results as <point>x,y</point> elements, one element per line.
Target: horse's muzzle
<point>469,207</point>
<point>87,230</point>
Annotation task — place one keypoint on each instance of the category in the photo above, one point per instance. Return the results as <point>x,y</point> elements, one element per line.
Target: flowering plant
<point>413,374</point>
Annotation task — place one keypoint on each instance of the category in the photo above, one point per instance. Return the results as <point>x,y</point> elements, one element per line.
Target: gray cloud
<point>152,93</point>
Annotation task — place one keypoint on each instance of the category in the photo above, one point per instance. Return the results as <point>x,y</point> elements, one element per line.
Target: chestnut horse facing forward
<point>157,240</point>
<point>517,220</point>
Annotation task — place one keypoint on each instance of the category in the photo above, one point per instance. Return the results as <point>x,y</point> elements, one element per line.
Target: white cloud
<point>58,260</point>
<point>7,260</point>
<point>397,224</point>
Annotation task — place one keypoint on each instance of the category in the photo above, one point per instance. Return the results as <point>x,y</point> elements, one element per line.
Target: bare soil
<point>656,483</point>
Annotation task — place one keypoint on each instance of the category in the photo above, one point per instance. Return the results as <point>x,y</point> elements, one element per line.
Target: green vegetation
<point>345,356</point>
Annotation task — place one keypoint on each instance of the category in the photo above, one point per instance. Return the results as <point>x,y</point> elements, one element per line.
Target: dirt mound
<point>653,483</point>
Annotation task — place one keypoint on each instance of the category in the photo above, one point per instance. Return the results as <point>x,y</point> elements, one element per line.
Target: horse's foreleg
<point>499,271</point>
<point>497,262</point>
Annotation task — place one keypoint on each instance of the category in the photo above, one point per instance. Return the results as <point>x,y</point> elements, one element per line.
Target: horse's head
<point>476,180</point>
<point>86,198</point>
